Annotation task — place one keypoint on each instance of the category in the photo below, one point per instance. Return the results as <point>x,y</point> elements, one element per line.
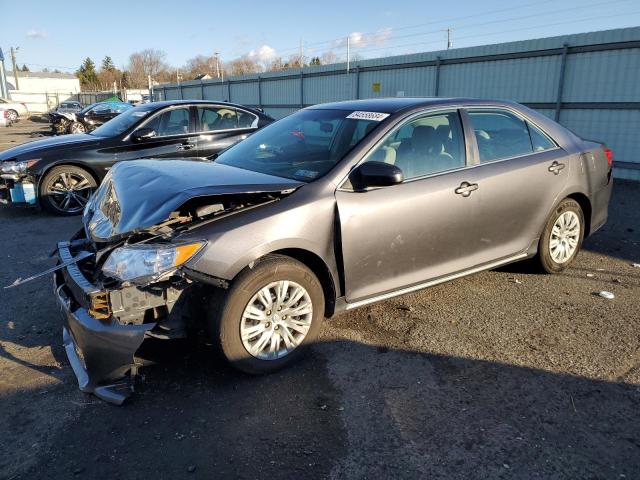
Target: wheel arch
<point>585,205</point>
<point>320,270</point>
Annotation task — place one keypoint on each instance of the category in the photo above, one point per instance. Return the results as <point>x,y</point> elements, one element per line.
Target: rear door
<point>519,174</point>
<point>175,136</point>
<point>220,126</point>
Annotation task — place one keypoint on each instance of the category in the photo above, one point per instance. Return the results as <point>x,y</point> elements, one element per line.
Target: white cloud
<point>264,53</point>
<point>36,34</point>
<point>362,40</point>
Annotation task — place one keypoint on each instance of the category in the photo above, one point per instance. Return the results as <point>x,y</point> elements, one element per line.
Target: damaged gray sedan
<point>334,207</point>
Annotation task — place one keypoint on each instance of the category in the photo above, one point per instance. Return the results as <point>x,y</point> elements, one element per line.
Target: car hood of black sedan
<point>39,147</point>
<point>138,195</point>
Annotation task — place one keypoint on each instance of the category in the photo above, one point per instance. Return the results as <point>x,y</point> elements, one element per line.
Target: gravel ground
<point>479,378</point>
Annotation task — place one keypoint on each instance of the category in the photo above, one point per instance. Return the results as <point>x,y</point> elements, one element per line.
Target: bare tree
<point>243,66</point>
<point>200,64</point>
<point>147,62</point>
<point>328,57</point>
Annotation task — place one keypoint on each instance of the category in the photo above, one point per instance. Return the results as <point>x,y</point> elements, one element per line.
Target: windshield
<point>121,123</point>
<point>303,146</point>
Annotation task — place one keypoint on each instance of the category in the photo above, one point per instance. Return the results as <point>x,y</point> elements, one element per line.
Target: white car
<point>15,109</point>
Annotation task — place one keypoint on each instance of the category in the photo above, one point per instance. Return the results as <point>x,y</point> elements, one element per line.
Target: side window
<point>217,118</point>
<point>499,134</point>
<point>247,120</point>
<point>429,144</point>
<point>171,122</point>
<point>539,140</point>
<point>100,109</point>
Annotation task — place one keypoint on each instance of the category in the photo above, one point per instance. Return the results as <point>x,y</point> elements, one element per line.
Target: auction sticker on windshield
<point>375,116</point>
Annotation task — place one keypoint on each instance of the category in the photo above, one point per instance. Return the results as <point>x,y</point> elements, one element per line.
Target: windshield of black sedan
<point>303,146</point>
<point>123,122</point>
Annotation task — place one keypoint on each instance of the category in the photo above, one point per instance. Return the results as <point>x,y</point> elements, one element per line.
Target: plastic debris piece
<point>636,265</point>
<point>590,275</point>
<point>607,295</point>
<point>516,281</point>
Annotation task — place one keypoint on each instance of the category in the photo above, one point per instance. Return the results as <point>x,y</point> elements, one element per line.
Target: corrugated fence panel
<point>245,93</point>
<point>527,80</point>
<point>329,88</point>
<point>610,76</point>
<point>408,82</point>
<point>600,91</point>
<point>280,92</point>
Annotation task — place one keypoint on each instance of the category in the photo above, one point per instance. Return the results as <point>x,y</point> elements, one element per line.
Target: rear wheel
<point>65,190</point>
<point>562,237</point>
<point>13,115</point>
<point>268,316</point>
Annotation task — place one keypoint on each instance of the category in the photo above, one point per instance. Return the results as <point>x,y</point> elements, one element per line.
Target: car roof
<point>397,104</point>
<point>165,103</point>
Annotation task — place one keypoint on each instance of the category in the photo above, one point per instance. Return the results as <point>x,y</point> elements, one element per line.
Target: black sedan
<point>60,173</point>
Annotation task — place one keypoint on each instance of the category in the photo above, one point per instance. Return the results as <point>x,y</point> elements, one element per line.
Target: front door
<point>406,234</point>
<point>174,137</point>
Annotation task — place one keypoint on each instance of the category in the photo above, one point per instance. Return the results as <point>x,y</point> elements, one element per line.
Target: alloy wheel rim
<point>77,128</point>
<point>69,192</point>
<point>13,116</point>
<point>276,320</point>
<point>565,236</point>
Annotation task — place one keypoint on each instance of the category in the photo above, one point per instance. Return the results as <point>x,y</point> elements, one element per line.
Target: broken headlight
<point>17,167</point>
<point>143,261</point>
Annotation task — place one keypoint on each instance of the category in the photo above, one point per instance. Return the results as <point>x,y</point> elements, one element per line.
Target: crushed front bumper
<point>100,351</point>
<point>17,189</point>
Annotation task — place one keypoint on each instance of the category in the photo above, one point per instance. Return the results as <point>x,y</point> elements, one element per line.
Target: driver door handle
<point>466,188</point>
<point>556,167</point>
<point>186,146</point>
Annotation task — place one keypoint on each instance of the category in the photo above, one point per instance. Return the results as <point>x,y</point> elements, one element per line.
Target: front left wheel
<point>65,190</point>
<point>268,316</point>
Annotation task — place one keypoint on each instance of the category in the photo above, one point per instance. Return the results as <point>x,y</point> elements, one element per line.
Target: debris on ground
<point>516,281</point>
<point>590,275</point>
<point>607,295</point>
<point>636,265</point>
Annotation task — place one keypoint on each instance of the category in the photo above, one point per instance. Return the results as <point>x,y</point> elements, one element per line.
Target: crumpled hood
<point>137,195</point>
<point>33,149</point>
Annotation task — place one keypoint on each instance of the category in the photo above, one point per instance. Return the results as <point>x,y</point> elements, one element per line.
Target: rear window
<point>499,134</point>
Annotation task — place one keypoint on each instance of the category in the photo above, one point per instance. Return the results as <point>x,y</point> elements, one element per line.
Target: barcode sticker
<point>375,116</point>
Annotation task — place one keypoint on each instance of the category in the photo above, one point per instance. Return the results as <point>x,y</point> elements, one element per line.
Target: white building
<point>42,91</point>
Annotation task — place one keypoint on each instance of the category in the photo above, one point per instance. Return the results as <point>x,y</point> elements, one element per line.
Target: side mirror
<point>375,174</point>
<point>143,134</point>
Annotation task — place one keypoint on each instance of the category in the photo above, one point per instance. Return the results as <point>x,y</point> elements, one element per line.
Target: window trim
<point>517,114</point>
<point>226,130</point>
<point>161,111</point>
<point>400,124</point>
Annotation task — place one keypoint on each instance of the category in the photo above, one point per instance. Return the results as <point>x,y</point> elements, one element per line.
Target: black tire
<point>79,183</point>
<point>226,309</point>
<point>13,115</point>
<point>545,257</point>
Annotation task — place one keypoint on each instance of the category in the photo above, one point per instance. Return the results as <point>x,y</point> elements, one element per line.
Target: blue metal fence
<point>589,82</point>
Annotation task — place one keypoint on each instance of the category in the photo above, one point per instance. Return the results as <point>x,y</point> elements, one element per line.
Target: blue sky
<point>61,35</point>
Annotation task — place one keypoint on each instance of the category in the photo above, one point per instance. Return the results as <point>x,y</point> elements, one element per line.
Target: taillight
<point>609,153</point>
<point>5,114</point>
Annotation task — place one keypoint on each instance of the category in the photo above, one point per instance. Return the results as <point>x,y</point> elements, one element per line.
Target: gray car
<point>331,208</point>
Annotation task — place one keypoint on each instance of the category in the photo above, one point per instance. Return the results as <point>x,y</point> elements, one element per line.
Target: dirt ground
<point>484,377</point>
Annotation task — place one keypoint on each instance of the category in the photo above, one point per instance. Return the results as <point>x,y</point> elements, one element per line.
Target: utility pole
<point>217,55</point>
<point>15,69</point>
<point>449,40</point>
<point>301,54</point>
<point>348,52</point>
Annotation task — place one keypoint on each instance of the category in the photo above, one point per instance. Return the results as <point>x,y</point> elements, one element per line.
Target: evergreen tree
<point>87,74</point>
<point>25,68</point>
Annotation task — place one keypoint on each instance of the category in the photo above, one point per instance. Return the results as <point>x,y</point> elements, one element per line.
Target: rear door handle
<point>186,146</point>
<point>466,188</point>
<point>555,167</point>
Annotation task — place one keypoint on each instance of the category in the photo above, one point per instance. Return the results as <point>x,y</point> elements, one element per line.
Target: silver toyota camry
<point>331,208</point>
